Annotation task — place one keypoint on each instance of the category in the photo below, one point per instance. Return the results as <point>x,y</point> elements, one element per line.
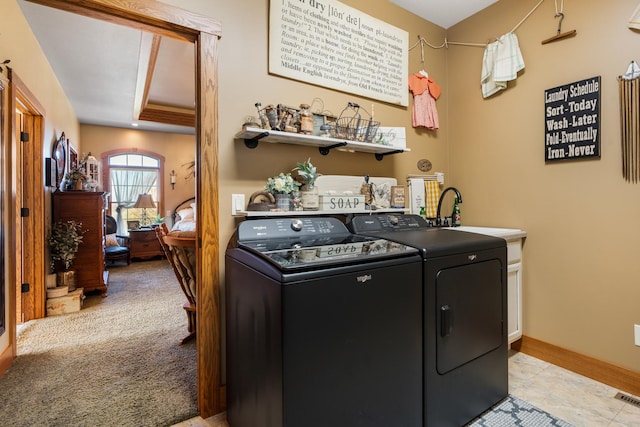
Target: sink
<point>505,233</point>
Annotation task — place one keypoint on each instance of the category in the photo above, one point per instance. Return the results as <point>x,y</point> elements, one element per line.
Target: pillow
<point>111,240</point>
<point>186,225</point>
<point>186,213</point>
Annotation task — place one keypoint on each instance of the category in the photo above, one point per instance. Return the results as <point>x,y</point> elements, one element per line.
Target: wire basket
<point>355,128</point>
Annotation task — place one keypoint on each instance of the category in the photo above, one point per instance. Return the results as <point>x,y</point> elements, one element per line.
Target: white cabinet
<point>514,290</point>
<point>514,238</point>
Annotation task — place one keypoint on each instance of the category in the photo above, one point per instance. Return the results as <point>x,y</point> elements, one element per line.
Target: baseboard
<point>6,357</point>
<point>604,372</point>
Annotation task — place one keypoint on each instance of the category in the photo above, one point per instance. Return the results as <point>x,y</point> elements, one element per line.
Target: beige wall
<point>580,268</point>
<point>177,149</point>
<point>18,44</point>
<point>581,258</point>
<point>244,80</point>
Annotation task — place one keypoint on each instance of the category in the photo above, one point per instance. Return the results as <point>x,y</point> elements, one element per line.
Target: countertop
<point>505,233</point>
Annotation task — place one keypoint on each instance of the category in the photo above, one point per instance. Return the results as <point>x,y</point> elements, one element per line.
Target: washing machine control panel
<point>277,228</point>
<point>387,222</point>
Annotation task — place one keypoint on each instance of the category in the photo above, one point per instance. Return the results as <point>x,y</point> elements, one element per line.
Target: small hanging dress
<point>425,92</point>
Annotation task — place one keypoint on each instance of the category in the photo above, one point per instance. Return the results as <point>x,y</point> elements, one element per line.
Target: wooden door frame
<point>29,193</point>
<point>8,354</point>
<point>204,32</point>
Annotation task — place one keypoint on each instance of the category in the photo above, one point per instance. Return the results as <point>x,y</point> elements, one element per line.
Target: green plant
<point>281,184</point>
<point>78,173</point>
<point>64,239</point>
<point>307,172</point>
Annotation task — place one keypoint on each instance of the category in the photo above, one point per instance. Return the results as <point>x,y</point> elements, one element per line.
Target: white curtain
<point>126,185</point>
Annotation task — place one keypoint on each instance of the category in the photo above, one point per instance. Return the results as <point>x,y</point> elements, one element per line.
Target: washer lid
<point>305,243</point>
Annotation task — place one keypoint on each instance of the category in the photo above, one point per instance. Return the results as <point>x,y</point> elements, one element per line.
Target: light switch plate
<point>636,329</point>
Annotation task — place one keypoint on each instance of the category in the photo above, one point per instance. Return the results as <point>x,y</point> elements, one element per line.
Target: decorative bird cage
<point>92,171</point>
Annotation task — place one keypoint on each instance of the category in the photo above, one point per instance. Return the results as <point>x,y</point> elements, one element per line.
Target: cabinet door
<point>514,301</point>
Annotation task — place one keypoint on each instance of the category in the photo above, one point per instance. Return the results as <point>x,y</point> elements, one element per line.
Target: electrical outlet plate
<point>237,203</point>
<point>636,329</point>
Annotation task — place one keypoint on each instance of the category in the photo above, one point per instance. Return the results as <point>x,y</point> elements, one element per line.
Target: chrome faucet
<point>458,195</point>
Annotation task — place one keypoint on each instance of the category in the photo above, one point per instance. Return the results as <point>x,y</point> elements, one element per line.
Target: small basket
<point>355,128</point>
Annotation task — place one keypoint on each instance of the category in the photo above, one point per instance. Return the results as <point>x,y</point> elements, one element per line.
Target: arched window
<point>129,174</point>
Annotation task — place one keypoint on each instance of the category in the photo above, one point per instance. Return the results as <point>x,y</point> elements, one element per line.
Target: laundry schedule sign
<point>572,120</point>
<point>327,43</point>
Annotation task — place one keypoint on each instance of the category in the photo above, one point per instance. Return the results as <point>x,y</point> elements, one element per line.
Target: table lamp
<point>144,201</point>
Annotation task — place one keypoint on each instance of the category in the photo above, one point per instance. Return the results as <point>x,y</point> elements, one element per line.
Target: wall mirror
<point>60,156</point>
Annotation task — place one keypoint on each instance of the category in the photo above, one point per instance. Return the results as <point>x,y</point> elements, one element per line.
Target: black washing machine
<point>323,327</point>
<point>465,315</point>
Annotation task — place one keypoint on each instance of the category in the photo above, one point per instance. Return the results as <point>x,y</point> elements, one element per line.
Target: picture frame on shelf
<point>398,197</point>
<point>73,157</point>
<point>133,225</point>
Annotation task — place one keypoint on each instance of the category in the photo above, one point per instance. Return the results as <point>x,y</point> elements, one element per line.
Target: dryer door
<point>469,317</point>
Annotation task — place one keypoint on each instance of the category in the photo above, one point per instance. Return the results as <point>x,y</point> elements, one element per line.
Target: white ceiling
<point>100,65</point>
<point>444,13</point>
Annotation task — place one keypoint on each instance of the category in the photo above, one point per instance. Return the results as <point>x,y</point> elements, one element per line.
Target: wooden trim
<point>168,115</point>
<point>145,15</point>
<point>207,230</point>
<point>7,114</point>
<point>163,19</point>
<point>31,177</point>
<point>604,372</point>
<point>7,356</point>
<point>143,110</point>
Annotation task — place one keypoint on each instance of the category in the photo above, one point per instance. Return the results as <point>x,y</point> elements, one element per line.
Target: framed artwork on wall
<point>49,172</point>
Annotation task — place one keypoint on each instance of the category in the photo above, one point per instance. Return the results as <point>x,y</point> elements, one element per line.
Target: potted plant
<point>308,192</point>
<point>282,186</point>
<point>75,179</point>
<point>64,240</point>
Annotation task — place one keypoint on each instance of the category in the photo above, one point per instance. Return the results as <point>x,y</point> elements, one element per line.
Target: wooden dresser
<point>87,207</point>
<point>144,243</point>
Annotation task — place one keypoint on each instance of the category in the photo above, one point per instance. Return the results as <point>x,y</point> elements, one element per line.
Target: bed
<point>184,216</point>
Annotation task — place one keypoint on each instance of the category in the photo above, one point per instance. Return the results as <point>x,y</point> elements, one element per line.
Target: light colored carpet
<point>117,362</point>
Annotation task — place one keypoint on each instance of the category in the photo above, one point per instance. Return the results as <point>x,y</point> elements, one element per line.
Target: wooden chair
<point>115,252</point>
<point>180,250</point>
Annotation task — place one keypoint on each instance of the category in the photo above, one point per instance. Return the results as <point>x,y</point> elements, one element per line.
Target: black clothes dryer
<point>465,315</point>
<point>323,328</point>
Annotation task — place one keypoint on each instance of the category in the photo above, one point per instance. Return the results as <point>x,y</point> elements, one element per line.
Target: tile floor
<point>578,400</point>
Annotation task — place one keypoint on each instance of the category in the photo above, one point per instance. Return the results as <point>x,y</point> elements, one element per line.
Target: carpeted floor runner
<point>117,362</point>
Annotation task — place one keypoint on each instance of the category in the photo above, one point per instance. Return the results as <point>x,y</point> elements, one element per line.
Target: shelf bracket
<point>380,156</point>
<point>253,142</point>
<point>325,150</point>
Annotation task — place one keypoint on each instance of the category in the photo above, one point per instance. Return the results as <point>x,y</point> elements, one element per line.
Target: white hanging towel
<point>501,62</point>
<point>633,71</point>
